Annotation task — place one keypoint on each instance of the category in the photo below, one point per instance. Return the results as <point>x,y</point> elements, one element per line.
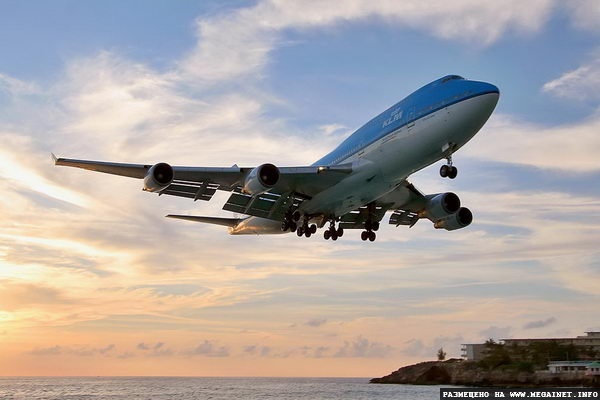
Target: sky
<point>95,281</point>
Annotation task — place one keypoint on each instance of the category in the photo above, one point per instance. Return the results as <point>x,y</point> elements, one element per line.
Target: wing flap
<point>266,205</point>
<point>356,219</point>
<point>404,217</point>
<point>229,222</point>
<point>203,191</point>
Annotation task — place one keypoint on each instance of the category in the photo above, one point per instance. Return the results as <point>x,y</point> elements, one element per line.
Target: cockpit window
<point>451,77</point>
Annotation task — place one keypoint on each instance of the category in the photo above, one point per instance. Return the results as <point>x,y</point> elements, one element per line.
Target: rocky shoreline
<point>467,373</point>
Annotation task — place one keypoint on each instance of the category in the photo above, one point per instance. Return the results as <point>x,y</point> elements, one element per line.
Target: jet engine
<point>458,220</point>
<point>261,179</point>
<point>159,176</point>
<point>441,205</point>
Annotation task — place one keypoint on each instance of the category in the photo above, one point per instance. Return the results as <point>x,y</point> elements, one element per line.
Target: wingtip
<point>54,158</point>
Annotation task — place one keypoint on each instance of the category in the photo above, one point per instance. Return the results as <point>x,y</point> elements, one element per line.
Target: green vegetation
<point>441,354</point>
<point>531,357</point>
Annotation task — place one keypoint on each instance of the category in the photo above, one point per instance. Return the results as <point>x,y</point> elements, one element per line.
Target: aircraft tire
<point>372,236</point>
<point>340,231</point>
<point>364,235</point>
<point>313,229</point>
<point>327,235</point>
<point>453,172</point>
<point>444,171</point>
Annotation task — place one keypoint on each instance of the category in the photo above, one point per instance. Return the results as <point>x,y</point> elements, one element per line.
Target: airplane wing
<point>200,183</point>
<point>406,202</point>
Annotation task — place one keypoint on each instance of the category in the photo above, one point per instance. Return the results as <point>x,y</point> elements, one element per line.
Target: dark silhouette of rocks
<point>468,373</point>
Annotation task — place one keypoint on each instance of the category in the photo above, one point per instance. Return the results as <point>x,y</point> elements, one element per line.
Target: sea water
<point>171,388</point>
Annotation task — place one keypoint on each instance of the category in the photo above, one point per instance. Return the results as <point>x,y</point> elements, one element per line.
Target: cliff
<point>465,373</point>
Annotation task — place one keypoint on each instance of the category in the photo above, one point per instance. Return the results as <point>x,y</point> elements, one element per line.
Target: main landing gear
<point>289,223</point>
<point>369,232</point>
<point>306,230</point>
<point>448,170</point>
<point>332,232</point>
<point>371,226</point>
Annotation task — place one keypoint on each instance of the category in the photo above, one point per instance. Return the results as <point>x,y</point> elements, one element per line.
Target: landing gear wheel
<point>296,216</point>
<point>293,226</point>
<point>284,226</point>
<point>445,171</point>
<point>340,231</point>
<point>307,233</point>
<point>372,236</point>
<point>375,226</point>
<point>327,234</point>
<point>300,231</point>
<point>364,235</point>
<point>452,172</point>
<point>313,229</point>
<point>334,236</point>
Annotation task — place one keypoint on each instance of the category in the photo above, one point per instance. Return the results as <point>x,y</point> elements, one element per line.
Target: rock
<point>468,373</point>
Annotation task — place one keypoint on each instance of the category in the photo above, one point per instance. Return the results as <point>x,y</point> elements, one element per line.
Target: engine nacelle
<point>458,220</point>
<point>159,176</point>
<point>261,179</point>
<point>441,205</point>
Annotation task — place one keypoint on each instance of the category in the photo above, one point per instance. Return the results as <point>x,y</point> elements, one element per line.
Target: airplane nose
<point>484,88</point>
<point>490,92</point>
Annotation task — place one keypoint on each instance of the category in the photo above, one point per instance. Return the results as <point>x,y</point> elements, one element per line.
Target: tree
<point>441,354</point>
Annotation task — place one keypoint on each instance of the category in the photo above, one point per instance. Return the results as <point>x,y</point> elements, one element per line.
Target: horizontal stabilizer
<point>230,222</point>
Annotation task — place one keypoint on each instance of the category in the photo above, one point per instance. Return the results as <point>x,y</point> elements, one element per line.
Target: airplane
<point>353,186</point>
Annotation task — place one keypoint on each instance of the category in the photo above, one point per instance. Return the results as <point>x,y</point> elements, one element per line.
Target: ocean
<point>170,388</point>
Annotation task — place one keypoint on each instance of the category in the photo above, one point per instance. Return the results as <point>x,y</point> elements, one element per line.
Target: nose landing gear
<point>448,170</point>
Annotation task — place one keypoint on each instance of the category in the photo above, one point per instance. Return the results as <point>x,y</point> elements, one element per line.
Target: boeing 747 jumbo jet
<point>353,186</point>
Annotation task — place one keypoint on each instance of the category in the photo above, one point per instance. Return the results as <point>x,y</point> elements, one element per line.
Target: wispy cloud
<point>82,351</point>
<point>568,147</point>
<point>582,83</point>
<point>208,349</point>
<point>362,347</point>
<point>239,43</point>
<point>539,323</point>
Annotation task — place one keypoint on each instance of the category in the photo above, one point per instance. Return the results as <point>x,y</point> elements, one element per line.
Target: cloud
<point>496,333</point>
<point>208,349</point>
<point>14,86</point>
<point>155,350</point>
<point>582,83</point>
<point>261,351</point>
<point>539,323</point>
<point>17,295</point>
<point>585,14</point>
<point>568,147</point>
<point>237,44</point>
<point>78,351</point>
<point>316,322</point>
<point>417,348</point>
<point>361,347</point>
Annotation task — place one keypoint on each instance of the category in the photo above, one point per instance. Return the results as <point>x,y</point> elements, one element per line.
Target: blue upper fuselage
<point>430,98</point>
